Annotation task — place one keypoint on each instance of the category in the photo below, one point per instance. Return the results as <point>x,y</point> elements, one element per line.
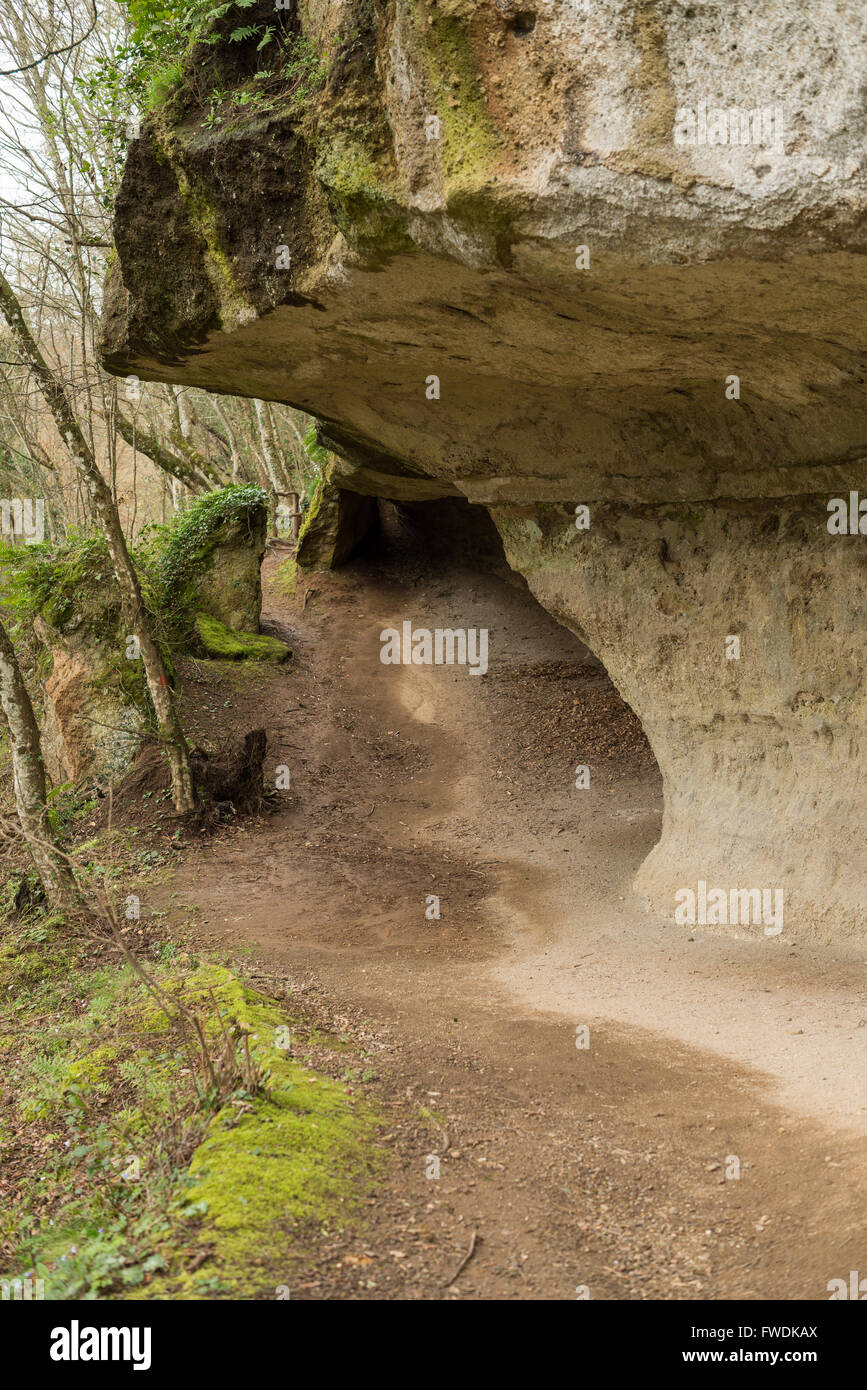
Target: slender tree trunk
<point>223,416</point>
<point>183,434</point>
<point>28,775</point>
<point>270,450</point>
<point>300,453</point>
<point>185,419</point>
<point>135,614</point>
<point>170,730</point>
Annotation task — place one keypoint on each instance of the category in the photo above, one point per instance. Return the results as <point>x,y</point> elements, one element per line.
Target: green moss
<point>176,557</point>
<point>233,306</point>
<point>54,1079</point>
<point>302,1156</point>
<point>471,142</point>
<point>247,1184</point>
<point>318,535</point>
<point>198,988</point>
<point>91,1069</point>
<point>221,642</point>
<point>70,587</point>
<point>285,581</point>
<point>73,590</point>
<point>685,516</point>
<point>346,169</point>
<point>313,516</point>
<point>361,200</point>
<point>22,969</point>
<point>347,129</point>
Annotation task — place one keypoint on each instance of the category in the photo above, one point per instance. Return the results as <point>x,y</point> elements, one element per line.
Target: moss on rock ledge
<point>222,643</point>
<point>137,1186</point>
<point>209,559</point>
<point>201,584</point>
<point>302,1154</point>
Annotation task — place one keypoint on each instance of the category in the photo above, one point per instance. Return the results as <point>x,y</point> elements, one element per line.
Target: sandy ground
<point>608,1167</point>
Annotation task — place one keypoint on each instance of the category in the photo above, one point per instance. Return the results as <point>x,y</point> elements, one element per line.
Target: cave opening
<point>560,737</point>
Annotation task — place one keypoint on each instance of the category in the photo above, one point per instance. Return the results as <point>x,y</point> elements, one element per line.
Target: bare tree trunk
<point>300,454</point>
<point>185,420</point>
<point>29,777</point>
<point>223,417</point>
<point>183,433</point>
<point>270,451</point>
<point>135,614</point>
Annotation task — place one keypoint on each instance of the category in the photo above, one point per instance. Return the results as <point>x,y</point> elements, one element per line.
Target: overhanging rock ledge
<point>494,197</point>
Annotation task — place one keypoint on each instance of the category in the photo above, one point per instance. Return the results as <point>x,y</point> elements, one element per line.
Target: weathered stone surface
<point>228,582</point>
<point>335,525</point>
<point>759,755</point>
<point>93,726</point>
<point>567,378</point>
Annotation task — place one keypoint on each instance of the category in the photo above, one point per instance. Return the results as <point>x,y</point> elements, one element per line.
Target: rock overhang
<point>584,292</point>
<point>458,256</point>
<point>612,387</point>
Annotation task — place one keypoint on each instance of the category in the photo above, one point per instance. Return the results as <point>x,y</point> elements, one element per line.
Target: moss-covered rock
<point>206,568</point>
<point>222,643</point>
<point>96,703</point>
<point>209,560</point>
<point>146,1164</point>
<point>201,583</point>
<point>300,1152</point>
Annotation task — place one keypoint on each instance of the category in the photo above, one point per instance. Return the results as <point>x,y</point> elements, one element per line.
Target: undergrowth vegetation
<point>159,1134</point>
<point>73,583</point>
<point>154,66</point>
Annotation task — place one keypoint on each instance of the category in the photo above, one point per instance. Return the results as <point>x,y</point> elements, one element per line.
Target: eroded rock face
<point>336,524</point>
<point>524,270</point>
<point>760,753</point>
<point>95,711</point>
<point>228,581</point>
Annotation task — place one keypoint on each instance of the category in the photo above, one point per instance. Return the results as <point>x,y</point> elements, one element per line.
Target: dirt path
<point>602,1167</point>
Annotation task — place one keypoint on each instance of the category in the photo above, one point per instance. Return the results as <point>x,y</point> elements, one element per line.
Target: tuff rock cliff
<point>609,255</point>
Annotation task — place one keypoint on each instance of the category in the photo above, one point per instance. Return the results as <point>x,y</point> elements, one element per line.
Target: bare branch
<point>54,52</point>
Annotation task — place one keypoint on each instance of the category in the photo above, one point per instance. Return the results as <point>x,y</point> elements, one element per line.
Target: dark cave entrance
<point>448,552</point>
